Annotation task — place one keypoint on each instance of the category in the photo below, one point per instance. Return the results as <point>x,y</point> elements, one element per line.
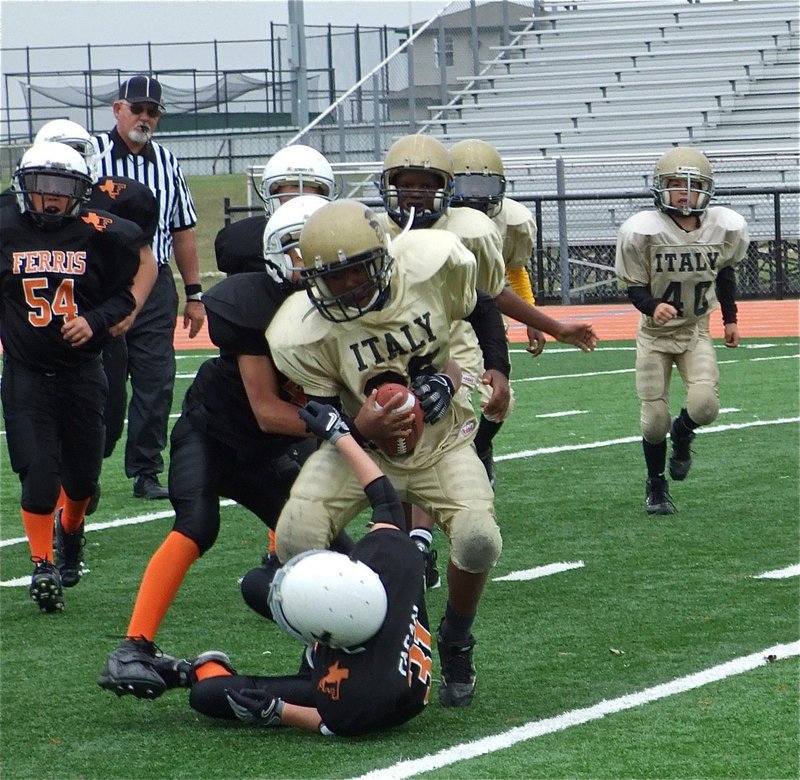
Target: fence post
<point>563,242</point>
<point>777,247</point>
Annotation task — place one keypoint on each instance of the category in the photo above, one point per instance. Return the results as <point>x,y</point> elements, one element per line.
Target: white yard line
<point>507,739</point>
<point>780,574</point>
<point>568,413</point>
<point>539,571</point>
<point>590,445</point>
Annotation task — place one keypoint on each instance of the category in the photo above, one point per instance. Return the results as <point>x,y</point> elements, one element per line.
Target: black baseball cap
<point>141,89</point>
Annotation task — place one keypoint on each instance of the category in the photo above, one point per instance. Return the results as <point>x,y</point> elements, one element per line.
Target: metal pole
<point>298,62</point>
<point>563,243</point>
<point>473,18</point>
<point>777,248</point>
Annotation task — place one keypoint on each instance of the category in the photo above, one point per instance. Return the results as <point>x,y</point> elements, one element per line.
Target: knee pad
<point>655,420</point>
<point>302,526</point>
<point>255,589</point>
<point>475,541</point>
<point>702,403</point>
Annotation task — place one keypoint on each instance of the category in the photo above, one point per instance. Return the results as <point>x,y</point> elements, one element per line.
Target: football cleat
<point>658,501</point>
<point>680,460</point>
<point>458,671</point>
<point>182,672</point>
<point>69,553</point>
<point>432,578</point>
<point>131,668</point>
<point>45,587</point>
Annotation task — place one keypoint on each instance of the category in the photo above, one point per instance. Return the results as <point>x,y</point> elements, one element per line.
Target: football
<point>400,445</point>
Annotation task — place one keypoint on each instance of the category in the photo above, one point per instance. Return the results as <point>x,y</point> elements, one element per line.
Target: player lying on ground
<point>363,619</point>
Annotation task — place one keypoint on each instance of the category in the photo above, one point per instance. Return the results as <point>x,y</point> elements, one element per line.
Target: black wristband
<point>193,289</point>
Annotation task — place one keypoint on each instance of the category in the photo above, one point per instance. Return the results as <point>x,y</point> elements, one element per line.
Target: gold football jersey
<point>478,234</point>
<point>679,267</point>
<point>517,228</point>
<point>432,285</point>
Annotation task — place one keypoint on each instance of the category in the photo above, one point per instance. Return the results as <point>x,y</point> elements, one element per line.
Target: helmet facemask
<point>282,239</point>
<point>368,296</point>
<point>691,168</point>
<point>481,191</point>
<point>301,167</point>
<point>433,203</point>
<point>51,169</point>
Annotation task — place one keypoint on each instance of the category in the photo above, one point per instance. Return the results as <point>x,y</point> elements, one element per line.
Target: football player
<point>238,437</point>
<point>383,313</point>
<point>416,187</point>
<point>65,278</point>
<point>294,170</point>
<point>129,199</point>
<point>362,618</point>
<point>678,262</point>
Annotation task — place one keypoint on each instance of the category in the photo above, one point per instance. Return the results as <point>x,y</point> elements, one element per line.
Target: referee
<point>128,150</point>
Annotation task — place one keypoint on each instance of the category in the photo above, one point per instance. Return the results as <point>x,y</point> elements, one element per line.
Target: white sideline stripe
<point>632,439</point>
<point>563,414</point>
<point>779,574</point>
<point>507,739</point>
<point>538,571</point>
<point>118,523</point>
<point>581,374</point>
<point>571,350</point>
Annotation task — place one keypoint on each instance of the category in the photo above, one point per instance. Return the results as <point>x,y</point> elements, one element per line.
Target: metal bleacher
<point>626,76</point>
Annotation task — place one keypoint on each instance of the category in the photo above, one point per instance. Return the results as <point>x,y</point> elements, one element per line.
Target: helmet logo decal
<point>96,221</point>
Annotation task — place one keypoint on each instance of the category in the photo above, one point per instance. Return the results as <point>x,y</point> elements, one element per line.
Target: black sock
<point>487,430</point>
<point>685,424</point>
<point>455,627</point>
<point>655,457</point>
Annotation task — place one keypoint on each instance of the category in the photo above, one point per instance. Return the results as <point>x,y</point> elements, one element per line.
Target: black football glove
<point>251,705</point>
<point>435,391</point>
<point>324,420</point>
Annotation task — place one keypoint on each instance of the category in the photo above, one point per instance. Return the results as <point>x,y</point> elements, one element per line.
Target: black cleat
<point>658,501</point>
<point>182,672</point>
<point>131,668</point>
<point>680,460</point>
<point>148,486</point>
<point>69,553</point>
<point>432,578</point>
<point>487,458</point>
<point>45,587</point>
<point>458,672</point>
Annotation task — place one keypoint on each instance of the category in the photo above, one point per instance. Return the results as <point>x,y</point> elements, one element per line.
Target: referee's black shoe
<point>148,486</point>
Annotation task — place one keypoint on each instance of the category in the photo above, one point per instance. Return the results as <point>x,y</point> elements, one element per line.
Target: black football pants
<point>54,431</point>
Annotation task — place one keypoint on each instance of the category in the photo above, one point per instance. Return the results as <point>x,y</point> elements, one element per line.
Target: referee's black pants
<point>54,430</point>
<point>151,367</point>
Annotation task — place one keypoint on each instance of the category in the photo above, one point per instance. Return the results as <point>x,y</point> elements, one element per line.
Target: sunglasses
<point>150,109</point>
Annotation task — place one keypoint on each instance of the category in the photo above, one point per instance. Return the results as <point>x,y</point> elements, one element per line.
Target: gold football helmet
<point>479,177</point>
<point>691,166</point>
<point>347,265</point>
<point>420,153</point>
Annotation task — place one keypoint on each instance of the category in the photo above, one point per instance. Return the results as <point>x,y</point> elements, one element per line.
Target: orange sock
<point>62,497</point>
<point>73,514</point>
<point>39,530</point>
<point>272,541</point>
<point>211,669</point>
<point>161,581</point>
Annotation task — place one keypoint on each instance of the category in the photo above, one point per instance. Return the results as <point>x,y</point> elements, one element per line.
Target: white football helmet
<point>282,233</point>
<point>50,168</point>
<point>689,165</point>
<point>345,234</point>
<point>298,165</point>
<point>422,153</point>
<point>64,131</point>
<point>324,596</point>
<point>479,176</point>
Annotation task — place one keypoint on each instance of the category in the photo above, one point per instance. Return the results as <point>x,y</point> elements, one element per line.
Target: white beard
<point>140,135</point>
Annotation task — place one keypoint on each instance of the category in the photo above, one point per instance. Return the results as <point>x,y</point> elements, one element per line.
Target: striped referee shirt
<point>156,168</point>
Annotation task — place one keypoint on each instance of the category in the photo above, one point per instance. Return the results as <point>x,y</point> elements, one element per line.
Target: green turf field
<point>647,603</point>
